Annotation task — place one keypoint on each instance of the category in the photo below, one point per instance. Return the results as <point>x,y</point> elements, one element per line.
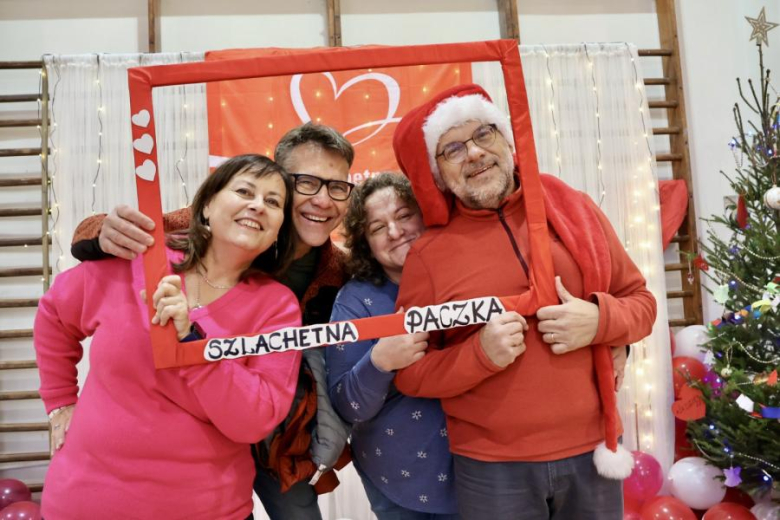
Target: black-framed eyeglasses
<point>457,151</point>
<point>306,184</point>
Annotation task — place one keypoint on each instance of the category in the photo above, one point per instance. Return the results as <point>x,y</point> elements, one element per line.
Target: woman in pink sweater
<point>143,443</point>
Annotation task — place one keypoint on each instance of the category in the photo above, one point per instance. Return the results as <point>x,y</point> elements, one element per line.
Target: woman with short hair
<point>399,443</point>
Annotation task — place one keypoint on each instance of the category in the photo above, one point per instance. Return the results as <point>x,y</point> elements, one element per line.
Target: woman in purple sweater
<point>145,443</point>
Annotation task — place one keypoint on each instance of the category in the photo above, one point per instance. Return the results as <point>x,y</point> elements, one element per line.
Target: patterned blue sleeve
<point>357,388</point>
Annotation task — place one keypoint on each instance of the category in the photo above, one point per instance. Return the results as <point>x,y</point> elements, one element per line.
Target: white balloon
<point>695,482</point>
<point>766,511</point>
<point>772,198</point>
<point>688,341</point>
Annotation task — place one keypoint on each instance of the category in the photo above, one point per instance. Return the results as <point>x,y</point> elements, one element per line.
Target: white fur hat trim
<point>456,110</point>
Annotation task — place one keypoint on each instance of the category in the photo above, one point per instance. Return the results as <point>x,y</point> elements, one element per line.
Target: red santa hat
<point>415,142</point>
<point>418,134</point>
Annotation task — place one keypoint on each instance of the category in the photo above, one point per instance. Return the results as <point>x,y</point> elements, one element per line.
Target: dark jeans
<point>566,489</point>
<point>297,503</point>
<point>386,509</point>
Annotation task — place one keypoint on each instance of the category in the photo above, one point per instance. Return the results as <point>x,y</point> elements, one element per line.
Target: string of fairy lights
<point>644,194</point>
<point>100,111</point>
<point>183,158</point>
<point>53,158</point>
<point>53,68</point>
<point>551,84</point>
<point>645,361</point>
<point>602,190</point>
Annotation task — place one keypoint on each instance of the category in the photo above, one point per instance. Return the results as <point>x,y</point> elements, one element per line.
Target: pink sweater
<point>156,444</point>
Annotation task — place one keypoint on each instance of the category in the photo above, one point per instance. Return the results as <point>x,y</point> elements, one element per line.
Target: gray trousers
<point>566,489</point>
<point>298,503</point>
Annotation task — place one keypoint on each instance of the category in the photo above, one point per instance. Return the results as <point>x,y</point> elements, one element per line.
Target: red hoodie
<point>543,406</point>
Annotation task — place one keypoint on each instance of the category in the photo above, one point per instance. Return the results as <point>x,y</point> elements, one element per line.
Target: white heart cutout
<point>393,99</point>
<point>141,118</point>
<point>147,170</point>
<point>144,144</point>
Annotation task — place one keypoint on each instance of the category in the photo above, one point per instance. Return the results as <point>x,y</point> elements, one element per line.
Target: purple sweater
<point>145,443</point>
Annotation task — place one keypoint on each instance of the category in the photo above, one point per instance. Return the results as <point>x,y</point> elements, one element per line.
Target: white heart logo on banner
<point>393,98</point>
<point>144,144</point>
<point>141,118</point>
<point>146,171</point>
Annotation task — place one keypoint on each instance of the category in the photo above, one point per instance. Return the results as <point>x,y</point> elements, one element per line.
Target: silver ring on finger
<point>552,337</point>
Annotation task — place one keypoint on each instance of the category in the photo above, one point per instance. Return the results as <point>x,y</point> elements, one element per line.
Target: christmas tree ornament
<point>701,263</point>
<point>745,403</point>
<point>732,476</point>
<point>760,28</point>
<point>733,285</point>
<point>768,378</point>
<point>742,213</point>
<point>726,371</point>
<point>721,294</point>
<point>772,198</point>
<point>713,380</point>
<point>690,405</point>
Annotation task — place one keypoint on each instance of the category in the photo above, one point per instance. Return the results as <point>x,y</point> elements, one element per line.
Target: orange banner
<point>251,115</point>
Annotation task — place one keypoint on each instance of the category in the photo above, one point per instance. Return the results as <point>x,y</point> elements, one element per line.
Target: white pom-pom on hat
<point>616,465</point>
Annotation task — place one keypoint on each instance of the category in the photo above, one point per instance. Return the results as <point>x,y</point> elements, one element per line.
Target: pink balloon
<point>728,511</point>
<point>666,508</point>
<point>12,490</point>
<point>646,478</point>
<point>21,511</point>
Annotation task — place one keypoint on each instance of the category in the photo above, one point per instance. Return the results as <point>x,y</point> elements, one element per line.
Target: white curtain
<point>592,129</point>
<point>91,161</point>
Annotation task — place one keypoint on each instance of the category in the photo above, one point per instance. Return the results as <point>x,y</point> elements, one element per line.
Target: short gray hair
<point>321,135</point>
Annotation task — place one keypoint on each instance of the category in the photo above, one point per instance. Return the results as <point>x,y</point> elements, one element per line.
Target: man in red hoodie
<point>527,414</point>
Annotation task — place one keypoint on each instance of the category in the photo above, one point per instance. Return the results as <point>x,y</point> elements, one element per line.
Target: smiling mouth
<point>404,243</point>
<point>251,224</point>
<point>479,172</point>
<point>315,218</point>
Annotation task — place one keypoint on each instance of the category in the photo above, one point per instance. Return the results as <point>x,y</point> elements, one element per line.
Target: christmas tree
<point>740,432</point>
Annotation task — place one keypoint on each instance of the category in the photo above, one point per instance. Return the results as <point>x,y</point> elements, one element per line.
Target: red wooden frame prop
<point>168,352</point>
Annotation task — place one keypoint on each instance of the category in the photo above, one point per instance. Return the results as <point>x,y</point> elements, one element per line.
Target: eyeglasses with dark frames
<point>457,151</point>
<point>306,184</point>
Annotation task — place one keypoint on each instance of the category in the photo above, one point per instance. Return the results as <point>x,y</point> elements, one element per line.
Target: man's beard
<point>491,196</point>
